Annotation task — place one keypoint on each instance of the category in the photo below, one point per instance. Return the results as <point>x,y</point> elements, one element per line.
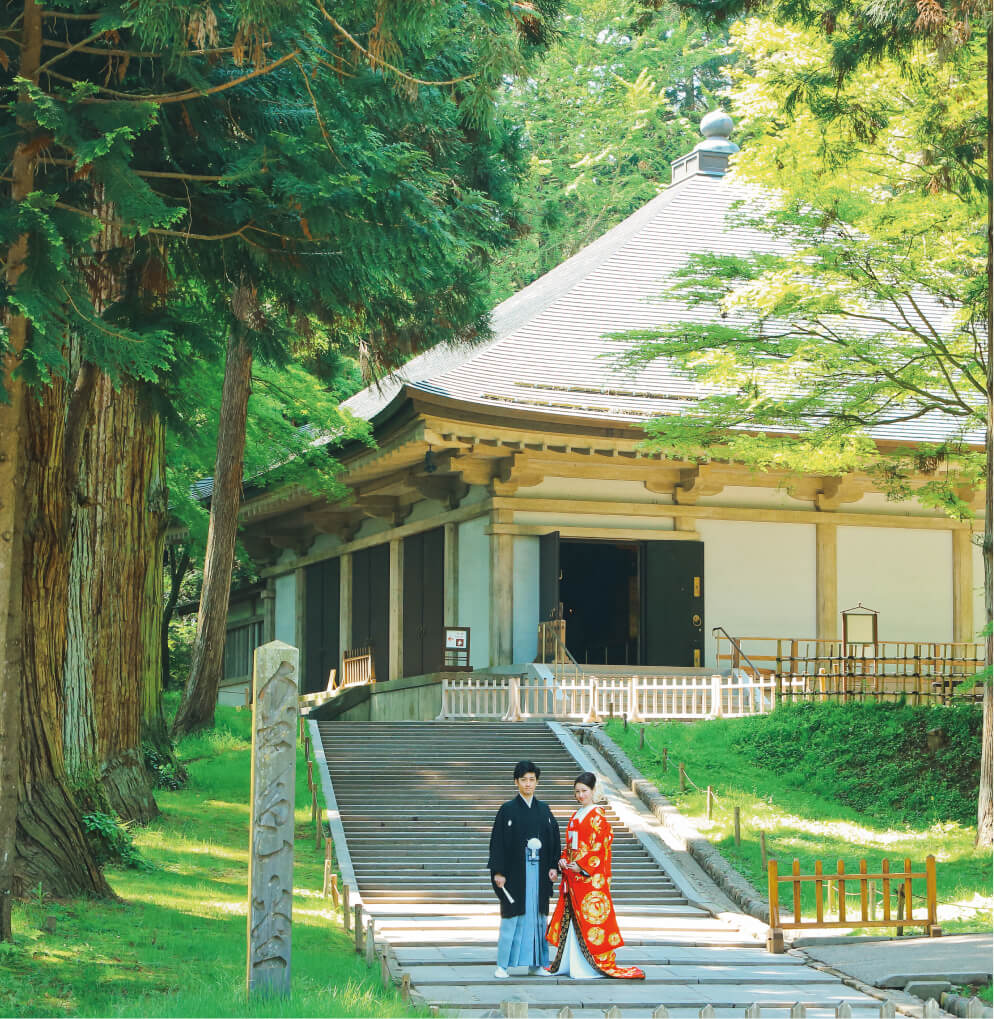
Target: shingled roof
<point>551,351</point>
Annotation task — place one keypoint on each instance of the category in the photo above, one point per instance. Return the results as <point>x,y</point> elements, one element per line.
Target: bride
<point>584,930</point>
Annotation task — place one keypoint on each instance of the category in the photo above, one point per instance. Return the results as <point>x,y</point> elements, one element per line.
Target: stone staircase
<point>417,801</point>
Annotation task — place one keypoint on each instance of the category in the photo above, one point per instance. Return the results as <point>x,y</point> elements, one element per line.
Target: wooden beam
<point>582,531</point>
<point>465,512</point>
<point>450,615</point>
<point>939,522</point>
<point>501,592</point>
<point>963,623</point>
<point>827,581</point>
<point>344,607</point>
<point>396,619</point>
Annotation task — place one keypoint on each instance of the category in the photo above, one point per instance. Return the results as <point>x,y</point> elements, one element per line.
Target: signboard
<point>455,649</point>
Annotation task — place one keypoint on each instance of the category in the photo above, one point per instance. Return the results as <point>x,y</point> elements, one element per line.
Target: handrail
<point>735,644</point>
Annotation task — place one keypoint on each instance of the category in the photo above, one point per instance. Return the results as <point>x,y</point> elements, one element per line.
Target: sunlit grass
<point>175,943</point>
<point>802,825</point>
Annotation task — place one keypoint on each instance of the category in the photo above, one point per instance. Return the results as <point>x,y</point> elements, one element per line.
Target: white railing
<point>592,698</point>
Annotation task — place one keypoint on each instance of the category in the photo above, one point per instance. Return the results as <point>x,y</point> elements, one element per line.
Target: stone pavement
<point>957,958</point>
<point>404,797</point>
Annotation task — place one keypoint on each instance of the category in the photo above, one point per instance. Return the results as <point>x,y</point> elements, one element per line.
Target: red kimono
<point>585,898</point>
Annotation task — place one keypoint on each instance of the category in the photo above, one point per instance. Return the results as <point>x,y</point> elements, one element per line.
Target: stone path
<point>414,801</point>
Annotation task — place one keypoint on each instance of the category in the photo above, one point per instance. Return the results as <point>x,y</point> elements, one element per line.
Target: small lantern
<point>859,625</point>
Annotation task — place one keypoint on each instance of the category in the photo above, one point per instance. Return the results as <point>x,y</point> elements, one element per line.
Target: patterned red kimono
<point>585,899</point>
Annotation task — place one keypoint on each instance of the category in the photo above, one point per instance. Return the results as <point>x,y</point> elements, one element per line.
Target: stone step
<point>658,954</point>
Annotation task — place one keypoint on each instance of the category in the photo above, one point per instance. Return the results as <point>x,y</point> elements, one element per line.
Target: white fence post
<point>716,707</point>
<point>634,715</point>
<point>592,718</point>
<point>513,713</point>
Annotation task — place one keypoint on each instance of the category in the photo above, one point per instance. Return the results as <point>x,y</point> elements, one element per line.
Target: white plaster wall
<point>619,522</point>
<point>755,498</point>
<point>905,574</point>
<point>286,608</point>
<point>759,580</point>
<point>424,509</point>
<point>371,526</point>
<point>325,543</point>
<point>585,488</point>
<point>474,588</point>
<point>877,502</point>
<point>526,597</point>
<point>978,588</point>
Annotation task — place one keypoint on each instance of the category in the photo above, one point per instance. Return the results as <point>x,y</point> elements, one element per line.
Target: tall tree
<point>602,117</point>
<point>880,314</point>
<point>165,154</point>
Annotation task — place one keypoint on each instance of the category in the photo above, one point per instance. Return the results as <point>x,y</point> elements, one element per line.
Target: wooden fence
<point>517,1009</point>
<point>894,885</point>
<point>593,698</point>
<point>357,667</point>
<point>824,669</point>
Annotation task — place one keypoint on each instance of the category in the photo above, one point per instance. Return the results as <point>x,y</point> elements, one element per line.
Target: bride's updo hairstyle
<point>587,778</point>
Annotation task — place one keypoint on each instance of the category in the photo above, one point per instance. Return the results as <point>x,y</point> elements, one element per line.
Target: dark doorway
<point>599,591</point>
<point>673,603</point>
<point>628,603</point>
<point>321,603</point>
<point>371,604</point>
<point>424,558</point>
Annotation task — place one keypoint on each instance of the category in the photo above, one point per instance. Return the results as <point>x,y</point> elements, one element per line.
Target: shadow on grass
<point>176,943</point>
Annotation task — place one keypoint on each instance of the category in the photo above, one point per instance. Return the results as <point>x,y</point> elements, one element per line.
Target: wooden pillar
<point>827,580</point>
<point>501,593</point>
<point>451,576</point>
<point>963,629</point>
<point>269,612</point>
<point>344,607</point>
<point>300,612</point>
<point>396,668</point>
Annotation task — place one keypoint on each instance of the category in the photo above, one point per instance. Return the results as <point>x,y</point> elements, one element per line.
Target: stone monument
<point>274,757</point>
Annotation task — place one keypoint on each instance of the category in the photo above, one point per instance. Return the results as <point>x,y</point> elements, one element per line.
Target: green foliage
<point>877,314</point>
<point>133,957</point>
<point>873,757</point>
<point>166,774</point>
<point>791,791</point>
<point>112,841</point>
<point>603,116</point>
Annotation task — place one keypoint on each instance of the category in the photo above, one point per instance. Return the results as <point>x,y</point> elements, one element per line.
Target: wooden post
<point>774,937</point>
<point>326,885</point>
<point>660,1012</point>
<point>384,969</point>
<point>567,1013</point>
<point>370,941</point>
<point>762,848</point>
<point>612,1013</point>
<point>270,871</point>
<point>871,894</point>
<point>797,1011</point>
<point>736,821</point>
<point>683,779</point>
<point>314,804</point>
<point>709,803</point>
<point>843,1011</point>
<point>705,1013</point>
<point>346,908</point>
<point>754,1011</point>
<point>307,747</point>
<point>334,891</point>
<point>888,1010</point>
<point>931,1010</point>
<point>310,774</point>
<point>934,930</point>
<point>666,759</point>
<point>642,738</point>
<point>395,611</point>
<point>357,918</point>
<point>405,986</point>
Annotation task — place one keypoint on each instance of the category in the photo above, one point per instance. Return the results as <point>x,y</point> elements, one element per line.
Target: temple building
<point>508,486</point>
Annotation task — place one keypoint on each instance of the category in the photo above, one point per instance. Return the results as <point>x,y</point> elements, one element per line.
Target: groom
<point>524,853</point>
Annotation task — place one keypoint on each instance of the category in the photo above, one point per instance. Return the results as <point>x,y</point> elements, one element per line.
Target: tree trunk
<point>985,799</point>
<point>178,564</point>
<point>115,596</point>
<point>200,696</point>
<point>52,849</point>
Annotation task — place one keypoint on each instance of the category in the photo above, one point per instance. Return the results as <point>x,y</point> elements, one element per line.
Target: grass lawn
<point>175,943</point>
<point>786,791</point>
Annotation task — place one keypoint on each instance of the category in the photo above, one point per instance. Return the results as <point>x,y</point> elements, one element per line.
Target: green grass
<point>175,943</point>
<point>787,772</point>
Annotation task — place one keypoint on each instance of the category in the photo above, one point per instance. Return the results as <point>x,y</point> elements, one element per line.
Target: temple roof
<point>551,350</point>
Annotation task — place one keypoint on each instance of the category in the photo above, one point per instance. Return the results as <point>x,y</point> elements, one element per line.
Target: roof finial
<point>716,127</point>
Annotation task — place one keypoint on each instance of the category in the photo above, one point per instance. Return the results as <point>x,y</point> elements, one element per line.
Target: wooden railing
<point>592,698</point>
<point>552,650</point>
<point>306,701</point>
<point>357,667</point>
<point>893,884</point>
<point>829,669</point>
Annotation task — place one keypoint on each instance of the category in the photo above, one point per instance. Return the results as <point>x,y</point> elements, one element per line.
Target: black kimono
<point>514,825</point>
